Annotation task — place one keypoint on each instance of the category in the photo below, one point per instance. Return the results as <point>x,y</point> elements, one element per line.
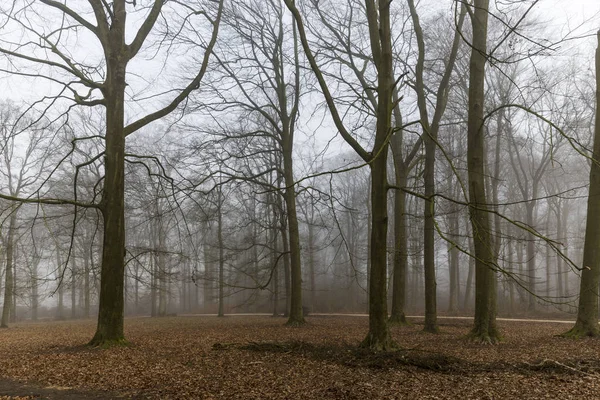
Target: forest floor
<point>258,357</point>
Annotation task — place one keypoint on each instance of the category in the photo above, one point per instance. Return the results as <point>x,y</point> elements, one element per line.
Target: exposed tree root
<point>484,336</point>
<point>398,320</point>
<point>431,328</point>
<point>107,343</point>
<point>578,332</point>
<point>379,344</point>
<point>296,322</point>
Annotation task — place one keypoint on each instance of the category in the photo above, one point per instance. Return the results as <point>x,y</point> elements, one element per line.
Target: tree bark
<point>484,328</point>
<point>453,261</point>
<point>8,272</point>
<point>587,313</point>
<point>111,305</point>
<point>398,316</point>
<point>220,244</point>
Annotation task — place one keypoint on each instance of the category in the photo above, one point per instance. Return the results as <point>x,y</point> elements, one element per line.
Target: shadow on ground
<point>351,356</point>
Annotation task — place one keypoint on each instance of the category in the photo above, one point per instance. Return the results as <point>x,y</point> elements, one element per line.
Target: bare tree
<point>105,85</point>
<point>485,309</point>
<point>587,313</point>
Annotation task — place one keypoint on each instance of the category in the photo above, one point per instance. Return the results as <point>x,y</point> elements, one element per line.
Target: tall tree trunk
<point>469,283</point>
<point>73,287</point>
<point>311,265</point>
<point>153,284</point>
<point>34,287</point>
<point>59,278</point>
<point>531,279</point>
<point>161,267</point>
<point>137,288</point>
<point>400,241</point>
<point>587,313</point>
<point>453,262</point>
<point>13,304</point>
<point>111,304</point>
<point>565,242</point>
<point>220,244</point>
<point>559,261</point>
<point>286,266</point>
<point>484,328</point>
<point>378,337</point>
<point>209,278</point>
<point>369,239</point>
<point>8,272</point>
<point>274,264</point>
<point>87,254</point>
<point>511,280</point>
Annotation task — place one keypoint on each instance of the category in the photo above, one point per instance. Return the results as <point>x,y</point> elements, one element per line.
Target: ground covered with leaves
<point>257,357</point>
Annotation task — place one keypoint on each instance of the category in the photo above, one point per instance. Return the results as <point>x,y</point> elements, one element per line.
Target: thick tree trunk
<point>378,337</point>
<point>429,237</point>
<point>111,306</point>
<point>8,272</point>
<point>484,329</point>
<point>587,313</point>
<point>296,316</point>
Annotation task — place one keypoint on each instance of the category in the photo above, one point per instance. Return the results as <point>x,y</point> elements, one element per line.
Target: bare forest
<point>346,199</point>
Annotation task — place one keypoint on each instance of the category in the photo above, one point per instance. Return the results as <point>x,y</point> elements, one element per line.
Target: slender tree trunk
<point>73,288</point>
<point>400,243</point>
<point>485,319</point>
<point>511,280</point>
<point>311,266</point>
<point>34,287</point>
<point>137,288</point>
<point>531,278</point>
<point>369,239</point>
<point>161,268</point>
<point>59,280</point>
<point>453,262</point>
<point>274,264</point>
<point>469,283</point>
<point>565,241</point>
<point>153,284</point>
<point>221,312</point>
<point>587,313</point>
<point>559,261</point>
<point>209,279</point>
<point>286,266</point>
<point>13,304</point>
<point>86,280</point>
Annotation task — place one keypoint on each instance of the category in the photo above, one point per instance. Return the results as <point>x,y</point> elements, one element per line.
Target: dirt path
<point>550,321</point>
